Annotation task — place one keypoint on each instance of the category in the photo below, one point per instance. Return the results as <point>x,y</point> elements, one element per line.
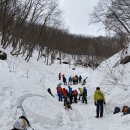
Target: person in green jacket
<point>99,100</point>
<point>80,93</point>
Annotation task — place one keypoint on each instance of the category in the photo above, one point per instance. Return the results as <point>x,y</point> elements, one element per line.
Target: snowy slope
<point>25,84</point>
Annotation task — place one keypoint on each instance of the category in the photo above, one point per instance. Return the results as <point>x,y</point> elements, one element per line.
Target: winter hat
<point>97,88</point>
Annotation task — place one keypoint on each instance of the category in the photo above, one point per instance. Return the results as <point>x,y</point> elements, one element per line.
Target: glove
<point>29,124</point>
<point>95,104</point>
<point>104,102</point>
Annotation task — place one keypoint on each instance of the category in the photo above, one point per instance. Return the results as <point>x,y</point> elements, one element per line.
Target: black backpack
<point>116,110</point>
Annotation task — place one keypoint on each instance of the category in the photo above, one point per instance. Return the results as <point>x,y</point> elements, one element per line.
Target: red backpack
<point>125,109</point>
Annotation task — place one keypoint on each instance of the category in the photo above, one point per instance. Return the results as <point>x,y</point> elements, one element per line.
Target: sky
<point>76,17</point>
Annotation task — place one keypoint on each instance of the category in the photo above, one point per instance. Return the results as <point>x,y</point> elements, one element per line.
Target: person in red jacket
<point>59,92</point>
<point>64,92</point>
<point>75,94</point>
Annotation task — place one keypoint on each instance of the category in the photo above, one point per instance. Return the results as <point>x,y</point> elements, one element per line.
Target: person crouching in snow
<point>21,124</point>
<point>67,103</point>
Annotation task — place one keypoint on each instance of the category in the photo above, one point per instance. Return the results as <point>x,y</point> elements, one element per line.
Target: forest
<point>38,25</point>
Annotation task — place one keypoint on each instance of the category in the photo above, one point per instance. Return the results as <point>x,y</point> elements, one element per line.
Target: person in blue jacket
<point>84,97</point>
<point>70,94</point>
<point>70,80</point>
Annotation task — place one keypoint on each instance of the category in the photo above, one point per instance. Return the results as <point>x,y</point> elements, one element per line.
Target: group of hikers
<point>72,80</point>
<point>63,93</point>
<point>69,96</point>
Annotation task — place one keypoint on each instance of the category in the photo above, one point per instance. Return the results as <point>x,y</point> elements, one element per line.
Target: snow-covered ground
<point>25,85</point>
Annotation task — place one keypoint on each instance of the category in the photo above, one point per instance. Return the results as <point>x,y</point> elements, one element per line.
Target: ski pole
<point>31,127</point>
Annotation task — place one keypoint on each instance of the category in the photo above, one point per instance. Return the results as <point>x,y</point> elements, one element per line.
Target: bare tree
<point>114,14</point>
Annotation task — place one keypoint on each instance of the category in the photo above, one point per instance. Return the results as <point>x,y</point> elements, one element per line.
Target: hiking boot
<point>97,116</point>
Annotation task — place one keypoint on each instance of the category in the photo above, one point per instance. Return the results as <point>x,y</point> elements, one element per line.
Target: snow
<point>24,85</point>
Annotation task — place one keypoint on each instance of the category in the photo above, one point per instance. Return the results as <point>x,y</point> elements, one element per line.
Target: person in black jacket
<point>59,76</point>
<point>80,79</point>
<point>64,80</point>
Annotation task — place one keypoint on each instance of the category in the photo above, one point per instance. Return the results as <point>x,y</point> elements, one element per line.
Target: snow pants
<point>71,98</point>
<point>84,99</point>
<point>60,96</point>
<point>99,109</point>
<point>75,98</point>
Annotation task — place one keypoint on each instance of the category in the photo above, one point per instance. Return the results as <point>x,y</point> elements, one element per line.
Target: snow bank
<point>25,84</point>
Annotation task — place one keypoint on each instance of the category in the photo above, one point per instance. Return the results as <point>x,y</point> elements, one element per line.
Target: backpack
<point>126,110</point>
<point>116,110</point>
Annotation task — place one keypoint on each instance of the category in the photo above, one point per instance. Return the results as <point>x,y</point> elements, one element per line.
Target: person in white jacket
<point>21,124</point>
